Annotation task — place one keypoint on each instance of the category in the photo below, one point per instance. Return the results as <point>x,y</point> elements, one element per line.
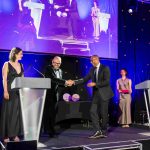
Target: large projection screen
<point>69,27</point>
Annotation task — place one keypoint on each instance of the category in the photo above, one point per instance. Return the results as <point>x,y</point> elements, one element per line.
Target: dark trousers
<point>75,25</point>
<point>49,116</point>
<point>99,112</point>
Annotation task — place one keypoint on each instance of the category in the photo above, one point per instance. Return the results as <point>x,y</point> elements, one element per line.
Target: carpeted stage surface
<point>78,137</point>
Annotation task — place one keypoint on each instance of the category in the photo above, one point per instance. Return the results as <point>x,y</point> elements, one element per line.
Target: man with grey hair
<point>53,72</point>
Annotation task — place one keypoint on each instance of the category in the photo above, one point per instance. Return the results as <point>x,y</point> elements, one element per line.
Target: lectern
<point>146,87</point>
<point>32,98</point>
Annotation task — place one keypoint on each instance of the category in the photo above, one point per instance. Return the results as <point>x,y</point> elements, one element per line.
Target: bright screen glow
<point>69,27</point>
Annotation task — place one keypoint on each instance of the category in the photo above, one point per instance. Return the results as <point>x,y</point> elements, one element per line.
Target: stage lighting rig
<point>132,6</point>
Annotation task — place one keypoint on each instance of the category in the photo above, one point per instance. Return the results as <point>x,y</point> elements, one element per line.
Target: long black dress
<point>11,119</point>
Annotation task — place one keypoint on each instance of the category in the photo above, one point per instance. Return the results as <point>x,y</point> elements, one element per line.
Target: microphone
<point>28,68</point>
<point>38,72</point>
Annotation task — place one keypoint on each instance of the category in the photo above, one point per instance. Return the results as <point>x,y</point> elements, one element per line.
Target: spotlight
<point>130,11</point>
<point>132,6</point>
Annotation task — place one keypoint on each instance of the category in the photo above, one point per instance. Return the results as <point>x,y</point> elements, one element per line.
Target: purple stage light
<point>59,13</point>
<point>66,97</point>
<point>64,14</point>
<point>75,97</point>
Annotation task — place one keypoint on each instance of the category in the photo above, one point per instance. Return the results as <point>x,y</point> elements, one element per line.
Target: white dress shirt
<point>97,70</point>
<point>58,74</point>
<point>70,2</point>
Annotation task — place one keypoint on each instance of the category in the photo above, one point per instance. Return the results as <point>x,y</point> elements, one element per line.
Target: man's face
<point>56,63</point>
<point>95,61</point>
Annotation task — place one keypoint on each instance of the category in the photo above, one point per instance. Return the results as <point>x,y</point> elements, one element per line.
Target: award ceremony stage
<point>118,138</point>
<point>54,112</point>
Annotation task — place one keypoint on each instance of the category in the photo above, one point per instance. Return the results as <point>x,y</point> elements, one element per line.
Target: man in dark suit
<point>74,18</point>
<point>102,92</point>
<point>52,96</point>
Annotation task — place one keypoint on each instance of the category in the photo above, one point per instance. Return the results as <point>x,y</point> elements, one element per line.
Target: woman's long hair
<point>13,52</point>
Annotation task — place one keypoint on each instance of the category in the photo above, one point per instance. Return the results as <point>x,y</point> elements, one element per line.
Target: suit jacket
<point>103,82</point>
<point>56,83</point>
<point>73,9</point>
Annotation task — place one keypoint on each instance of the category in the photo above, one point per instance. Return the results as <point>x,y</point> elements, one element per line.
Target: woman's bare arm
<point>4,75</point>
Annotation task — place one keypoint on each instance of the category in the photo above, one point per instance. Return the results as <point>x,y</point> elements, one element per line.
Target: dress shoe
<point>103,136</point>
<point>98,134</point>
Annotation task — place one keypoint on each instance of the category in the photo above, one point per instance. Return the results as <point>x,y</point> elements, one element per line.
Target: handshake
<point>69,83</point>
<point>72,82</point>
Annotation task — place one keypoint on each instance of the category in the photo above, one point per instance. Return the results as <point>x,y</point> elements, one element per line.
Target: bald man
<point>53,72</point>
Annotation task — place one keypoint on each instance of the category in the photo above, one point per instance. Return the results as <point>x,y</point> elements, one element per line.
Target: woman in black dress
<point>11,120</point>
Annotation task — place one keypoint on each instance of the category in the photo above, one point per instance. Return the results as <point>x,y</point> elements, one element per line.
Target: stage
<point>75,138</point>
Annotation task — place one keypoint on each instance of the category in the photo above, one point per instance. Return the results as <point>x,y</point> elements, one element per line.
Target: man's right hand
<point>70,82</point>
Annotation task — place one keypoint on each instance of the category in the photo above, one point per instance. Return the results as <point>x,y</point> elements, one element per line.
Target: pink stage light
<point>75,97</point>
<point>67,97</point>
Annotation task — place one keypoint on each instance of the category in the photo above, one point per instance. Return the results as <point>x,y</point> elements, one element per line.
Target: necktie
<point>95,74</point>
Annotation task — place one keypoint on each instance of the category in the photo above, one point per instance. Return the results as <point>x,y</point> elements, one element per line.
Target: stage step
<point>75,47</point>
<point>76,51</point>
<point>76,44</point>
<point>123,145</point>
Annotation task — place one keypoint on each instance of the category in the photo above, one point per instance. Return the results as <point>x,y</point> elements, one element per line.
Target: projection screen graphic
<point>69,27</point>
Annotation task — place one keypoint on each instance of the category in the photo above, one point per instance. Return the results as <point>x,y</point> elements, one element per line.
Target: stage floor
<point>78,137</point>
